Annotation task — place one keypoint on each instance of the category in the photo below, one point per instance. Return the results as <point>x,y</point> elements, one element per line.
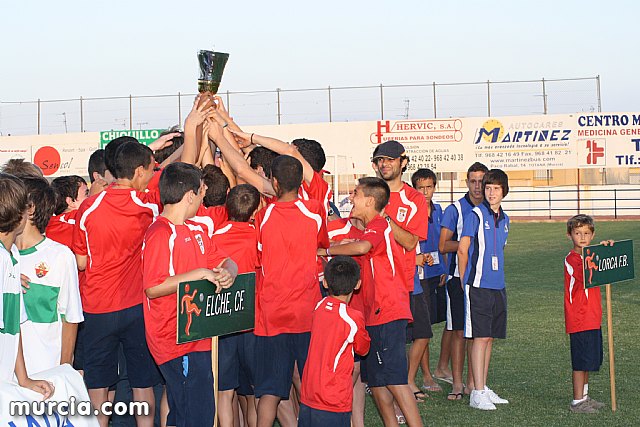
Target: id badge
<point>494,263</point>
<point>435,256</point>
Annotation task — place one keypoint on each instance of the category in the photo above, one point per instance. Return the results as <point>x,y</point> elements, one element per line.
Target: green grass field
<point>532,367</point>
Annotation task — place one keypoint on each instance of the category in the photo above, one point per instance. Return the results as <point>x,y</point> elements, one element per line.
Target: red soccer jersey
<point>109,230</point>
<point>408,208</point>
<point>337,332</point>
<point>318,189</point>
<point>60,229</point>
<point>154,183</point>
<point>289,235</point>
<point>210,217</point>
<point>240,242</point>
<point>582,306</point>
<point>341,229</point>
<point>385,296</point>
<point>171,249</point>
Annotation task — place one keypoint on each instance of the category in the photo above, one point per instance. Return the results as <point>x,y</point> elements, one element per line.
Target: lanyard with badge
<point>494,257</point>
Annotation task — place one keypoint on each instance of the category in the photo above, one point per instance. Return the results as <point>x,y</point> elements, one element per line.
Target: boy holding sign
<point>177,250</point>
<point>582,314</point>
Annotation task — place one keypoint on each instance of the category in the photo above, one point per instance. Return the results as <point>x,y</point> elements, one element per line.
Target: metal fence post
<point>278,94</point>
<point>549,191</point>
<point>381,103</point>
<point>130,113</point>
<point>435,109</point>
<point>38,116</point>
<point>598,91</point>
<point>329,93</point>
<point>228,103</point>
<point>81,116</point>
<point>179,110</point>
<point>488,98</point>
<point>544,97</point>
<point>615,203</point>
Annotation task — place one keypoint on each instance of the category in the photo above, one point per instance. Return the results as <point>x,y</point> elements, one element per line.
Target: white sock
<point>575,402</point>
<point>585,390</point>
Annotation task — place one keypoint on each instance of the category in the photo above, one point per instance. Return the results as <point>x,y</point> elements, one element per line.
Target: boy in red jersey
<point>237,237</point>
<point>71,191</point>
<point>337,332</point>
<point>386,302</point>
<point>290,231</point>
<point>177,250</point>
<point>107,241</point>
<point>583,316</point>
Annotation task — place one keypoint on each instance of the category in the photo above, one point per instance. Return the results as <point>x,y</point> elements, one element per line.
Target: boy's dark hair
<point>217,186</point>
<point>42,197</point>
<point>66,186</point>
<point>262,156</point>
<point>288,171</point>
<point>178,179</point>
<point>423,174</point>
<point>129,157</point>
<point>111,150</point>
<point>312,152</point>
<point>578,221</point>
<point>376,188</point>
<point>496,176</point>
<point>163,154</point>
<point>96,164</point>
<point>242,202</point>
<point>477,167</point>
<point>341,275</point>
<point>20,168</point>
<point>13,202</point>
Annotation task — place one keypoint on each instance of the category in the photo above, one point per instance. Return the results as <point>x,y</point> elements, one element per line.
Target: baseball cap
<point>389,149</point>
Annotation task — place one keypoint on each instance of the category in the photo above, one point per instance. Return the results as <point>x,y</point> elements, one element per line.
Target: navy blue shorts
<point>586,350</point>
<point>455,305</point>
<point>386,363</point>
<point>437,299</point>
<point>103,335</point>
<point>190,389</point>
<point>420,328</point>
<point>236,365</point>
<point>274,367</point>
<point>310,417</point>
<point>486,313</point>
<point>78,353</point>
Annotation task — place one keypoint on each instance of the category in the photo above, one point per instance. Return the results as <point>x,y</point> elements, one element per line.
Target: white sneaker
<point>494,397</point>
<point>479,399</point>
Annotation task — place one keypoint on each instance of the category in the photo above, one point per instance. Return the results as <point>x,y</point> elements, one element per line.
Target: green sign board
<point>145,136</point>
<point>603,265</point>
<point>204,314</point>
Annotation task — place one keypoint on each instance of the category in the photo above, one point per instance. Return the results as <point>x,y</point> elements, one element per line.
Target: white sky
<point>65,49</point>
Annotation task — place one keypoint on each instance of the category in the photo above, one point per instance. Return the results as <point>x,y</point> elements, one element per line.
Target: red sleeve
<point>156,256</point>
<point>79,238</point>
<point>323,236</point>
<point>361,341</point>
<point>215,255</point>
<point>153,185</point>
<point>419,224</point>
<point>374,234</point>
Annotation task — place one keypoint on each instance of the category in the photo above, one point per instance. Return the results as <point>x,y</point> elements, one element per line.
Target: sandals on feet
<point>455,396</point>
<point>420,396</point>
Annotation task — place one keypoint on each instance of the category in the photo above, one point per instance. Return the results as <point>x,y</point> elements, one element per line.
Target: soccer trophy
<point>211,68</point>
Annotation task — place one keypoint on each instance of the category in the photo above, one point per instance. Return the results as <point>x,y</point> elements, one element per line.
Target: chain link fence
<point>289,106</point>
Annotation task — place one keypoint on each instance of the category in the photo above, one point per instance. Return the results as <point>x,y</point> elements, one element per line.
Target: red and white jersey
<point>60,228</point>
<point>337,332</point>
<point>582,306</point>
<point>240,241</point>
<point>210,217</point>
<point>408,208</point>
<point>318,189</point>
<point>341,229</point>
<point>289,235</point>
<point>109,230</point>
<point>385,296</point>
<point>171,249</point>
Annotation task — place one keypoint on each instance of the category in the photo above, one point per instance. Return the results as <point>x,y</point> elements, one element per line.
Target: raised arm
<point>195,118</point>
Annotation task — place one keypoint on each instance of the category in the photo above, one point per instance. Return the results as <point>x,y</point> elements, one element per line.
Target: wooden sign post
<point>603,265</point>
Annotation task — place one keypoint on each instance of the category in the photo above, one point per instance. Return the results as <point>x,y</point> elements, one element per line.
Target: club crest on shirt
<point>402,214</point>
<point>200,243</point>
<point>487,226</point>
<point>42,269</point>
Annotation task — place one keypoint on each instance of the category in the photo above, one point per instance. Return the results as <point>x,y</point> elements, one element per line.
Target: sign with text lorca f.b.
<point>202,313</point>
<point>603,265</point>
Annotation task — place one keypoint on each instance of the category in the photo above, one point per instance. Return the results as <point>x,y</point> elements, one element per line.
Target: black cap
<point>389,149</point>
